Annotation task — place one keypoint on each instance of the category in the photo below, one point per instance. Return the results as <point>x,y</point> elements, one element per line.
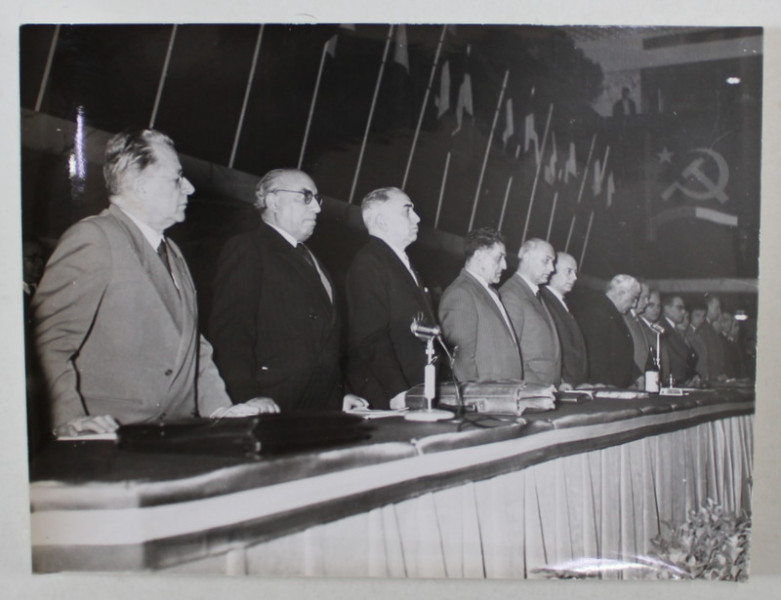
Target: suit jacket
<point>535,330</point>
<point>114,334</point>
<point>642,339</point>
<point>715,364</point>
<point>275,330</point>
<point>384,357</point>
<point>574,360</point>
<point>608,341</point>
<point>471,320</point>
<point>677,355</point>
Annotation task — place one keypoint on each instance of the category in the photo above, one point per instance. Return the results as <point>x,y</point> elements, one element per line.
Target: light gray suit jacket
<point>114,334</point>
<point>470,319</point>
<point>535,330</point>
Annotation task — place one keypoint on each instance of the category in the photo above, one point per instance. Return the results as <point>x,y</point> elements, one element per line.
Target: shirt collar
<point>153,237</point>
<point>558,295</point>
<point>480,280</point>
<point>290,239</point>
<point>534,287</point>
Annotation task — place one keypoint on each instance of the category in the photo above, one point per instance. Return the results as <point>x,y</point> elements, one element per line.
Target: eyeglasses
<point>308,195</point>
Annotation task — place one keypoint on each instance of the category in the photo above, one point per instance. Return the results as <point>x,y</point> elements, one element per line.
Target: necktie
<point>162,252</point>
<point>303,251</point>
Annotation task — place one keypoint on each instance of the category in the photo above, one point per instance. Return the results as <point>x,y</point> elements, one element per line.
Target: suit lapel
<point>154,267</point>
<point>414,287</point>
<point>299,266</point>
<point>485,297</point>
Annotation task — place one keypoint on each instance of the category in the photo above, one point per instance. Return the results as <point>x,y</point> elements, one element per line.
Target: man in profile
<point>643,338</point>
<point>533,324</point>
<point>608,341</point>
<point>116,315</point>
<point>710,331</point>
<point>574,360</point>
<point>384,296</point>
<point>680,358</point>
<point>274,323</point>
<point>693,335</point>
<point>472,315</point>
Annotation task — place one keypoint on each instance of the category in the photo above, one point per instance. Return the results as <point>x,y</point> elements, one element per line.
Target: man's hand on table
<point>86,426</point>
<point>249,408</point>
<point>353,402</point>
<point>398,402</point>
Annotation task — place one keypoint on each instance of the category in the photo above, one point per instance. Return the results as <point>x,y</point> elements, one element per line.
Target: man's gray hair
<point>530,246</point>
<point>374,199</point>
<point>130,152</point>
<point>267,183</point>
<point>623,283</point>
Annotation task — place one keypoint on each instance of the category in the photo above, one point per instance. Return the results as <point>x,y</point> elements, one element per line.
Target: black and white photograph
<point>392,300</point>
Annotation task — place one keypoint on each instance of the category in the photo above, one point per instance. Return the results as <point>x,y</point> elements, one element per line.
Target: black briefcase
<point>275,433</point>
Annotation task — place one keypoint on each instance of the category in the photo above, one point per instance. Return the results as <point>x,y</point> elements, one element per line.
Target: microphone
<point>424,332</point>
<point>657,328</point>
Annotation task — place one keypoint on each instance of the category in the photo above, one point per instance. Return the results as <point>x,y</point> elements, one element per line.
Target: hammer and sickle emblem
<point>694,169</point>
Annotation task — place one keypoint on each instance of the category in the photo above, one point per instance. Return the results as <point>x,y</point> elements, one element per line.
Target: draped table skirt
<point>551,496</point>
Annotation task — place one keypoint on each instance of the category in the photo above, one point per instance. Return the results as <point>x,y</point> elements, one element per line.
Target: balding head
<point>288,199</point>
<point>565,275</point>
<point>622,291</point>
<point>389,214</point>
<point>536,260</point>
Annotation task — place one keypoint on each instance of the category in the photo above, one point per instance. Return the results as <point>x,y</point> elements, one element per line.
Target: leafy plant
<point>711,544</point>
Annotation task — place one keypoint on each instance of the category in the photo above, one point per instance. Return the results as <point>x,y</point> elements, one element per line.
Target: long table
<point>585,484</point>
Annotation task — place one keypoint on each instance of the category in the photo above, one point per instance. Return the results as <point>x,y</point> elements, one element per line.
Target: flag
<point>599,173</point>
<point>611,189</point>
<point>530,134</point>
<point>509,125</point>
<point>330,46</point>
<point>550,168</point>
<point>400,54</point>
<point>570,167</point>
<point>442,102</point>
<point>464,102</point>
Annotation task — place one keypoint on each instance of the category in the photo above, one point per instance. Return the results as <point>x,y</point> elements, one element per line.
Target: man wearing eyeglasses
<point>116,316</point>
<point>274,323</point>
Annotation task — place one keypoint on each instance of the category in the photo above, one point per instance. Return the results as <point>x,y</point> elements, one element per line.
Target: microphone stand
<point>430,378</point>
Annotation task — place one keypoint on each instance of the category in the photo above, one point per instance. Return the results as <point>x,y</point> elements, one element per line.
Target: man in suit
<point>274,323</point>
<point>680,358</point>
<point>472,315</point>
<point>608,341</point>
<point>643,338</point>
<point>624,106</point>
<point>574,360</point>
<point>693,336</point>
<point>715,349</point>
<point>116,316</point>
<point>533,324</point>
<point>384,295</point>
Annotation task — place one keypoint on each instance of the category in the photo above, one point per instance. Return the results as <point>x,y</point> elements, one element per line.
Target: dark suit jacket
<point>620,111</point>
<point>677,356</point>
<point>608,341</point>
<point>715,365</point>
<point>535,330</point>
<point>115,335</point>
<point>471,320</point>
<point>643,339</point>
<point>385,358</point>
<point>574,360</point>
<point>274,329</point>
